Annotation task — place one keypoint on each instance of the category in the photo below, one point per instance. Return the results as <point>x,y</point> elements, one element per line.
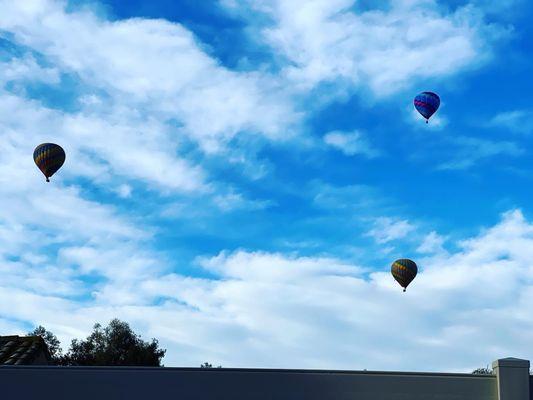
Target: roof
<point>22,350</point>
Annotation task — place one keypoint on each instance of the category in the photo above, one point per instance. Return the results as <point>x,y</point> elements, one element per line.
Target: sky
<point>240,174</point>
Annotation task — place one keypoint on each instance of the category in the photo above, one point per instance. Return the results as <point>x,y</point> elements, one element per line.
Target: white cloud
<point>272,267</point>
<point>350,143</point>
<point>474,150</point>
<point>437,122</point>
<point>388,229</point>
<point>27,69</point>
<point>262,309</point>
<point>10,327</point>
<point>519,121</point>
<point>155,66</point>
<point>432,243</point>
<point>386,50</point>
<point>124,191</point>
<point>40,221</point>
<point>98,147</point>
<point>347,198</point>
<point>149,86</point>
<point>235,201</point>
<point>147,89</point>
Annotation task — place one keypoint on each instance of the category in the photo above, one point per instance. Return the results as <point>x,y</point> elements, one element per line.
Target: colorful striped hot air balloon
<point>49,157</point>
<point>404,271</point>
<point>427,103</point>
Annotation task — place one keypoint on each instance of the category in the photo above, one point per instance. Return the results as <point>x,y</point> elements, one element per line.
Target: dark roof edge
<point>19,351</point>
<point>251,370</point>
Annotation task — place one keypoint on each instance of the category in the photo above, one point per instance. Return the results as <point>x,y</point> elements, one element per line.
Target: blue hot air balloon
<point>427,103</point>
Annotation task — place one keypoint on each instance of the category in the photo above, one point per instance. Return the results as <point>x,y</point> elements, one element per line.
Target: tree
<point>52,342</point>
<point>483,371</point>
<point>115,344</point>
<point>208,365</point>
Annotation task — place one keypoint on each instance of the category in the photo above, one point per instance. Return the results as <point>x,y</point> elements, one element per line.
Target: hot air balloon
<point>427,103</point>
<point>49,157</point>
<point>404,271</point>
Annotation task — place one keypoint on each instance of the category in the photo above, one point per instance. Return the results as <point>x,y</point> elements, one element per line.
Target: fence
<point>511,381</point>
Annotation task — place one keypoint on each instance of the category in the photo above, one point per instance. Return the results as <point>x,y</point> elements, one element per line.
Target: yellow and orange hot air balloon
<point>404,271</point>
<point>49,157</point>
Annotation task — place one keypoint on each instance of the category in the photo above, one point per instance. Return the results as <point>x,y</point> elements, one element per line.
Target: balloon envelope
<point>427,103</point>
<point>404,271</point>
<point>49,157</point>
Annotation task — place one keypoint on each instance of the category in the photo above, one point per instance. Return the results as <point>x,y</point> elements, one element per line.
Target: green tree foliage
<point>483,371</point>
<point>115,344</point>
<point>489,371</point>
<point>52,342</point>
<point>208,365</point>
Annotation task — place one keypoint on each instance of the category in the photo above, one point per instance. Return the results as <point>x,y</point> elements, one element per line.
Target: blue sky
<point>240,174</point>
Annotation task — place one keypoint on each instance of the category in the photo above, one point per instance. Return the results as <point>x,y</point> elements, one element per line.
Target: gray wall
<point>510,382</point>
<point>31,382</point>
